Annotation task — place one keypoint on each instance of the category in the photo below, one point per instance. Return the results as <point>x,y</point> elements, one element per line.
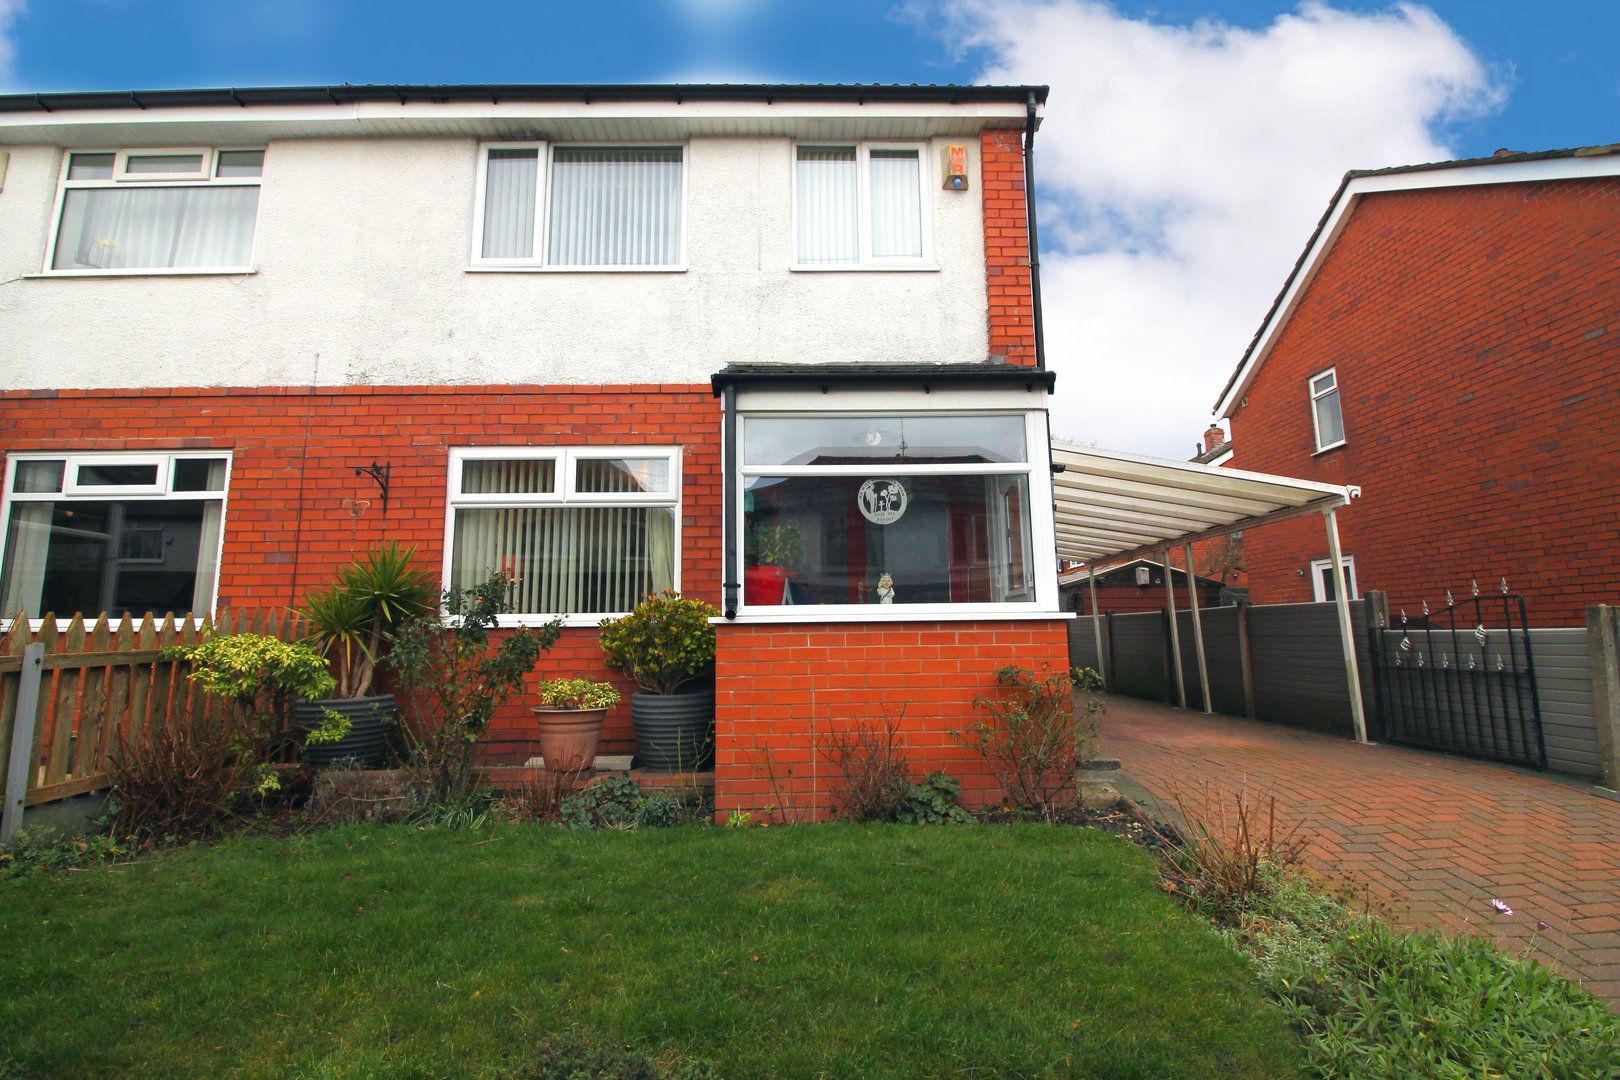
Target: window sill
<point>242,271</point>
<point>476,269</point>
<point>892,614</point>
<point>1330,449</point>
<point>865,268</point>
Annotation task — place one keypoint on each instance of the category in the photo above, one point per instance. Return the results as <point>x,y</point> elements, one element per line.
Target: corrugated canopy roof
<point>1113,506</point>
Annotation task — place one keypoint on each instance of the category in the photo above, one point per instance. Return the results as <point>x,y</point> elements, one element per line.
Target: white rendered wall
<point>361,255</point>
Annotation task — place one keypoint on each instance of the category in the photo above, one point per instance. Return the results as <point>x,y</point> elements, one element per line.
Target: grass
<point>840,951</point>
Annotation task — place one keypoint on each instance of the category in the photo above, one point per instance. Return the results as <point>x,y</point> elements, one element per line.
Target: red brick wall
<point>783,687</point>
<point>1006,247</point>
<point>1476,336</point>
<point>295,451</point>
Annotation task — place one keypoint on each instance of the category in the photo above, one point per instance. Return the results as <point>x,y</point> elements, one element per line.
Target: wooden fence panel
<point>103,688</point>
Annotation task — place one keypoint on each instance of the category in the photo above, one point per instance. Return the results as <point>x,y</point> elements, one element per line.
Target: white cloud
<point>9,12</point>
<point>1180,170</point>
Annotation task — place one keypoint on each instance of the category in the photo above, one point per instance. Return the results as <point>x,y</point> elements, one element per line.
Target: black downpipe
<point>1034,234</point>
<point>728,529</point>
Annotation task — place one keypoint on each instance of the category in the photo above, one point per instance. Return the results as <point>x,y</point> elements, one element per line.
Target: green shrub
<point>576,694</point>
<point>34,850</point>
<point>658,811</point>
<point>1388,1004</point>
<point>611,803</point>
<point>355,618</point>
<point>663,644</point>
<point>454,681</point>
<point>933,802</point>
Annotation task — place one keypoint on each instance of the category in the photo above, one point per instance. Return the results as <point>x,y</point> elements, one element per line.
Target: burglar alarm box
<point>954,167</point>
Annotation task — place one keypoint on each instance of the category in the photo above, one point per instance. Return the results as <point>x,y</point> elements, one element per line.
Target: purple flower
<point>1501,908</point>
<point>1540,925</point>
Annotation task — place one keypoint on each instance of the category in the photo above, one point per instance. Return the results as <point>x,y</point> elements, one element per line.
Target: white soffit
<point>1112,507</point>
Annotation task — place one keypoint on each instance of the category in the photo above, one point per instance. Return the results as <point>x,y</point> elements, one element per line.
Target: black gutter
<point>728,457</point>
<point>588,93</point>
<point>1034,232</point>
<point>827,376</point>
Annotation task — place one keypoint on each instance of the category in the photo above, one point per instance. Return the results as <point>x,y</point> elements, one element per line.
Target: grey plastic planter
<point>674,732</point>
<point>366,744</point>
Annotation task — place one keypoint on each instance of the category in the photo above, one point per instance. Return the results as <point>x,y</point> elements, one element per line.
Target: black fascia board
<point>855,374</point>
<point>586,93</point>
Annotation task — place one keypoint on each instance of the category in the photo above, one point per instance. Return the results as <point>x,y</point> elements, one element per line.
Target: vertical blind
<point>828,210</point>
<point>615,206</point>
<point>568,559</point>
<point>896,206</point>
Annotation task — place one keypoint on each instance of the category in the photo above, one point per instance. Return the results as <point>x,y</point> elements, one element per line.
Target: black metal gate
<point>1461,679</point>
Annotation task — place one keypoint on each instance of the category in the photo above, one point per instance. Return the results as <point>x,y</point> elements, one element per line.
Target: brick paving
<point>1430,839</point>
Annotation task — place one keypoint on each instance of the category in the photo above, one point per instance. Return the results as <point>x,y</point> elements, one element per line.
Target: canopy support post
<point>1198,630</point>
<point>1175,636</point>
<point>1352,672</point>
<point>1096,623</point>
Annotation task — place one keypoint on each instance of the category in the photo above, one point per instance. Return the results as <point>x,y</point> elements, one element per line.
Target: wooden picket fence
<point>93,690</point>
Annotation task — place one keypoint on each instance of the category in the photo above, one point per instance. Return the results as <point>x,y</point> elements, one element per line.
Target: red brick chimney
<point>1214,437</point>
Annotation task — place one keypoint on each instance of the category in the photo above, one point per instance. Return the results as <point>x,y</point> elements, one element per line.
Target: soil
<point>1155,836</point>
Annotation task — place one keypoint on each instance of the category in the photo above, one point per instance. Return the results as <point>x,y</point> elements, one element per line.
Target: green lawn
<point>838,951</point>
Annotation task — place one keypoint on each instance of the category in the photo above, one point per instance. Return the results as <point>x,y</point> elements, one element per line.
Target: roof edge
<point>891,374</point>
<point>496,93</point>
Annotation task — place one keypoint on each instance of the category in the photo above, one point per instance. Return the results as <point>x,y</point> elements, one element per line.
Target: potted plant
<point>353,621</point>
<point>771,551</point>
<point>666,646</point>
<point>570,721</point>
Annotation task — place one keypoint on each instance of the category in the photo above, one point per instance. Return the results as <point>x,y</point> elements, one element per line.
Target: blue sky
<point>1189,146</point>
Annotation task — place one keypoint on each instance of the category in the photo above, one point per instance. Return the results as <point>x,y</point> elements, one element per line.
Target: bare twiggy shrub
<point>1233,842</point>
<point>540,800</point>
<point>874,778</point>
<point>1030,738</point>
<point>177,779</point>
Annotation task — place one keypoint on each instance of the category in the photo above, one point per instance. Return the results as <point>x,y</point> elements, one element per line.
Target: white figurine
<point>885,589</point>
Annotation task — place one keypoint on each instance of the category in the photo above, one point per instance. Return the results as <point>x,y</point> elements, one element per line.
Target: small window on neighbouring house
<point>860,206</point>
<point>1325,413</point>
<point>1322,585</point>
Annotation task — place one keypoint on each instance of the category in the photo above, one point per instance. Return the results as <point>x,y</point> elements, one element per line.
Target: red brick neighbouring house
<point>1450,342</point>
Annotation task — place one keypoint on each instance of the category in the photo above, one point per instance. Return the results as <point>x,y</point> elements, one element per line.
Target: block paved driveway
<point>1431,838</point>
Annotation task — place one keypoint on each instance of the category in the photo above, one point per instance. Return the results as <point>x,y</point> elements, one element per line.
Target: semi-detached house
<point>595,335</point>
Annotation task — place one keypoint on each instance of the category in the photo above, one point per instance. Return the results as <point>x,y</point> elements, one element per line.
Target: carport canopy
<point>1112,507</point>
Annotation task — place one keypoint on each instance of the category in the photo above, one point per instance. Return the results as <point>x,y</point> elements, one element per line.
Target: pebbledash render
<point>604,337</point>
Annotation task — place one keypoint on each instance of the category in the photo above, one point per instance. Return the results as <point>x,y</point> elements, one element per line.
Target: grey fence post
<point>22,741</point>
<point>1245,658</point>
<point>1603,643</point>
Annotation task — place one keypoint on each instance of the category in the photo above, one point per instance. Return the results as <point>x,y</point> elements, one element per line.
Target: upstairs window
<point>581,207</point>
<point>860,206</point>
<point>142,211</point>
<point>117,533</point>
<point>1325,409</point>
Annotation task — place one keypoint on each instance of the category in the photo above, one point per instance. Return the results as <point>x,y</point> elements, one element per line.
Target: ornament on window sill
<point>885,589</point>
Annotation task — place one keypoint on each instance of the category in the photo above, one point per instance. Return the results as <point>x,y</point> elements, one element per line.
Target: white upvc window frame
<point>162,491</point>
<point>1041,573</point>
<point>1322,569</point>
<point>563,494</point>
<point>1318,397</point>
<point>863,158</point>
<point>538,263</point>
<point>205,177</point>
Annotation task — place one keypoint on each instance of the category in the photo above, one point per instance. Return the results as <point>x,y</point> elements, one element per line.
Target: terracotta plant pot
<point>568,737</point>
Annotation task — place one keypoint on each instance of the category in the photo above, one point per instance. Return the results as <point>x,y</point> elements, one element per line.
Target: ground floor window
<point>583,531</point>
<point>887,509</point>
<point>117,533</point>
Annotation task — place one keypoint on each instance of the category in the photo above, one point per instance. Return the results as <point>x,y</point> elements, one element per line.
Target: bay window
<point>117,533</point>
<point>862,205</point>
<point>579,207</point>
<point>582,530</point>
<point>888,509</point>
<point>146,211</point>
